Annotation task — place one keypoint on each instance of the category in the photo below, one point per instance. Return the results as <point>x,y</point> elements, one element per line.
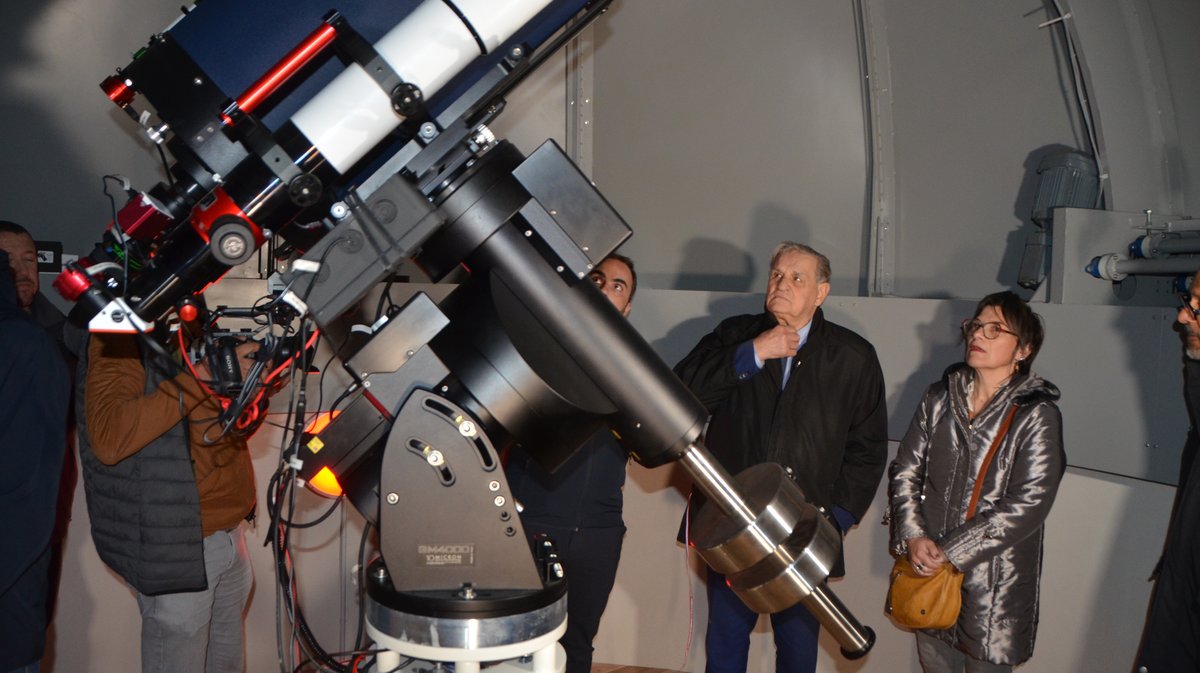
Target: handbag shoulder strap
<point>987,461</point>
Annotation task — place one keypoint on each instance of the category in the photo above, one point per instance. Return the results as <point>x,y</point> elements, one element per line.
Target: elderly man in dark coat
<point>788,386</point>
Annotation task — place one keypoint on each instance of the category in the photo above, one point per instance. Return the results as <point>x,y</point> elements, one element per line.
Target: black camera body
<point>220,354</point>
<point>222,359</point>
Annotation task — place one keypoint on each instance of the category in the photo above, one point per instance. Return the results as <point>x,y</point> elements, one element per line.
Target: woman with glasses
<point>990,399</point>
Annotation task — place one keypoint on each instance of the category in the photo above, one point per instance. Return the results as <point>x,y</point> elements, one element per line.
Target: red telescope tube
<point>296,59</point>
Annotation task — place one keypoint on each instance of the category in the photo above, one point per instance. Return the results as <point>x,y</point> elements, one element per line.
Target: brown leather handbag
<point>933,602</point>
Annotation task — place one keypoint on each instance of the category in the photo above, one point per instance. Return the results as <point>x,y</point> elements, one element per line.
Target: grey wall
<point>60,134</point>
<point>715,150</point>
<point>978,93</point>
<point>722,128</point>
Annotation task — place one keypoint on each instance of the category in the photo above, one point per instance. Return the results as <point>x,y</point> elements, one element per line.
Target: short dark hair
<point>632,271</point>
<point>1021,319</point>
<point>10,227</point>
<point>824,272</point>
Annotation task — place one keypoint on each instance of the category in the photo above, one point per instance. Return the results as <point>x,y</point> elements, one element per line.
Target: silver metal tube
<point>854,638</point>
<point>716,483</point>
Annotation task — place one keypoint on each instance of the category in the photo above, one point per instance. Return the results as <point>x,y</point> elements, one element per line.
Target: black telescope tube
<point>656,417</point>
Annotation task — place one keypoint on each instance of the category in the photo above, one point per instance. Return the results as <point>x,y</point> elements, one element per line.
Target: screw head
<point>233,246</point>
<point>392,498</point>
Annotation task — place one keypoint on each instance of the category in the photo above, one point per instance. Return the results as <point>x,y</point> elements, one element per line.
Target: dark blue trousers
<point>727,642</point>
<point>589,556</point>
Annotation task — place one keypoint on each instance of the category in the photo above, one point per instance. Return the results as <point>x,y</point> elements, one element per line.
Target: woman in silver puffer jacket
<point>1000,549</point>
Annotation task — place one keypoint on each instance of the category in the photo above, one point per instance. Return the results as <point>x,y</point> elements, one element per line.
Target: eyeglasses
<point>991,330</point>
<point>1185,301</point>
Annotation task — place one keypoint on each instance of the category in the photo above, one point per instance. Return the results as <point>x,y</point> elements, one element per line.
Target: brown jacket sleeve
<point>121,419</point>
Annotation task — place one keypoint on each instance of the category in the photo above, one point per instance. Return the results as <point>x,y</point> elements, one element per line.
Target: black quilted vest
<point>145,510</point>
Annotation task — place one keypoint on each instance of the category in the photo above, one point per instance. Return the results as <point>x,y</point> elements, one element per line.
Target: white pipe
<point>352,115</point>
<point>1184,224</point>
<point>1158,244</point>
<point>1116,267</point>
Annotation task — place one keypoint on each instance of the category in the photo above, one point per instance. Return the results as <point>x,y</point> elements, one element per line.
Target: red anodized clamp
<point>277,76</point>
<point>204,217</point>
<point>117,88</point>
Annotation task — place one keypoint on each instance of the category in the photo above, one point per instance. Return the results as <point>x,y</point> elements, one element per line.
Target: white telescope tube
<point>352,114</point>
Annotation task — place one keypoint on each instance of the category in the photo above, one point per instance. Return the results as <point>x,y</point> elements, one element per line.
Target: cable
<point>354,659</point>
<point>385,295</point>
<point>1079,86</point>
<point>166,165</point>
<point>281,504</point>
<point>687,546</point>
<point>332,508</point>
<point>360,630</point>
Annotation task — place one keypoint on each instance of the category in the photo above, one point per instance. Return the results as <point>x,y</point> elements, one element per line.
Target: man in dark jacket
<point>22,254</point>
<point>34,392</point>
<point>789,387</point>
<point>1171,636</point>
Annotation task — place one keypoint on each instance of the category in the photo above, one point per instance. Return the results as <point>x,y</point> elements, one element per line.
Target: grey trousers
<point>938,657</point>
<point>202,631</point>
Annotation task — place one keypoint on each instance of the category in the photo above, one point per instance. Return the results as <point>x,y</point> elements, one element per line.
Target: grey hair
<point>824,272</point>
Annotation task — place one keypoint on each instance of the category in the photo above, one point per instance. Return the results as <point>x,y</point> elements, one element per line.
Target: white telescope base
<point>542,654</point>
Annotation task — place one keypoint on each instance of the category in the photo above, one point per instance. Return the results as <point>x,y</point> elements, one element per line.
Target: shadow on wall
<point>37,163</point>
<point>711,264</point>
<point>1159,463</point>
<point>736,271</point>
<point>1014,249</point>
<point>718,265</point>
<point>1123,324</point>
<point>943,347</point>
<point>715,266</point>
